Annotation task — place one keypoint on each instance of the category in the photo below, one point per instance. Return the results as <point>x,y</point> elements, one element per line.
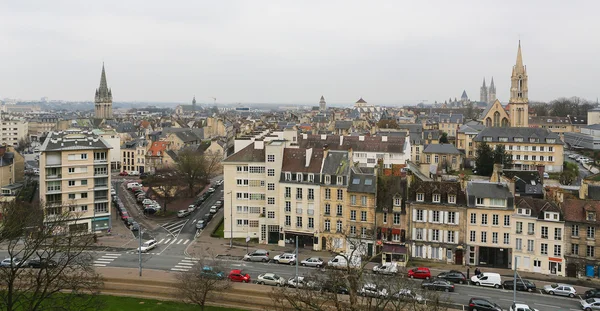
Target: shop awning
<point>383,230</point>
<point>395,231</point>
<point>396,249</point>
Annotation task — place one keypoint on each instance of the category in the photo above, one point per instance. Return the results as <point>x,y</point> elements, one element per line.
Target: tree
<point>23,144</point>
<point>484,159</point>
<point>166,183</point>
<point>444,138</point>
<point>502,157</point>
<point>194,168</point>
<point>66,279</point>
<point>573,106</point>
<point>387,124</point>
<point>569,174</point>
<point>200,283</point>
<point>470,111</point>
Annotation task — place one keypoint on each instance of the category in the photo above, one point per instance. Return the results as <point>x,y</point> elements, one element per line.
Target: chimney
<point>541,169</point>
<point>323,136</point>
<point>308,156</point>
<point>361,138</point>
<point>496,174</point>
<point>350,155</point>
<point>383,138</point>
<point>259,144</point>
<point>325,151</point>
<point>341,140</point>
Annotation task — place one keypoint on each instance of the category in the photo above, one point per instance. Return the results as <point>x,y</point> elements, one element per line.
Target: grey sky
<point>295,51</point>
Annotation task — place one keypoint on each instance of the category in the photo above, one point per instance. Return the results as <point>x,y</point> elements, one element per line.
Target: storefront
<point>101,223</point>
<point>394,253</point>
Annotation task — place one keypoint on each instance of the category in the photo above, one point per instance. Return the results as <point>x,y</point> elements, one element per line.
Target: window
<point>558,234</point>
<point>420,197</point>
<point>84,195</point>
<point>288,206</point>
<point>519,244</point>
<point>363,200</point>
<point>472,236</point>
<point>340,180</point>
<point>84,208</point>
<point>484,219</point>
<point>575,249</point>
<point>483,237</point>
<point>450,236</point>
<point>299,222</point>
<point>101,207</point>
<point>435,216</point>
<point>311,194</point>
<point>270,158</point>
<point>288,220</point>
<point>537,263</point>
<point>271,172</point>
<point>271,214</point>
<point>340,194</point>
<point>339,210</point>
<point>544,232</point>
<point>591,216</point>
<point>288,176</point>
<point>71,170</point>
<point>288,192</point>
<point>270,201</point>
<point>385,218</point>
<point>591,232</point>
<point>327,225</point>
<point>557,250</point>
<point>495,220</point>
<point>506,238</point>
<point>352,230</point>
<point>473,218</point>
<point>435,235</point>
<point>71,183</point>
<point>575,230</point>
<point>419,234</point>
<point>71,196</point>
<point>327,209</point>
<point>519,227</point>
<point>298,193</point>
<point>452,217</point>
<point>363,216</point>
<point>397,201</point>
<point>311,222</point>
<point>271,186</point>
<point>452,199</point>
<point>353,200</point>
<point>311,177</point>
<point>530,244</point>
<point>327,179</point>
<point>84,182</point>
<point>478,201</point>
<point>590,251</point>
<point>507,220</point>
<point>353,215</point>
<point>495,237</point>
<point>436,198</point>
<point>327,194</point>
<point>299,177</point>
<point>544,249</point>
<point>530,228</point>
<point>397,218</point>
<point>419,215</point>
<point>338,226</point>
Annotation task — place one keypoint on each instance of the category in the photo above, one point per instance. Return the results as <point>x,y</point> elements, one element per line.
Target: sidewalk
<point>119,237</point>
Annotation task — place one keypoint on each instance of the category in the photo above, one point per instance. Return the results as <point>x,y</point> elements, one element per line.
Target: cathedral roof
<point>464,93</point>
<point>361,101</point>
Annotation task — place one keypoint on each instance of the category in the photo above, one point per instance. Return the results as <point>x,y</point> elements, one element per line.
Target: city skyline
<point>294,53</point>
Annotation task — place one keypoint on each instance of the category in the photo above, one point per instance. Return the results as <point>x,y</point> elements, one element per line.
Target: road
<point>583,172</point>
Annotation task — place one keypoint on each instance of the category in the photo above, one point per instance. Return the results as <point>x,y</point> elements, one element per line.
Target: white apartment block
<point>75,178</point>
<point>11,131</point>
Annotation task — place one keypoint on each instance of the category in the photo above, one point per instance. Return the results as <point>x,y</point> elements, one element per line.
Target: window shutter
<point>414,213</point>
<point>414,234</point>
<point>443,235</point>
<point>456,219</point>
<point>444,217</point>
<point>425,216</point>
<point>455,237</point>
<point>430,234</point>
<point>425,234</point>
<point>430,215</point>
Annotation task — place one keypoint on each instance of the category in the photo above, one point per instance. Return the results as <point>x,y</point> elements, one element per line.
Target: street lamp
<point>230,219</point>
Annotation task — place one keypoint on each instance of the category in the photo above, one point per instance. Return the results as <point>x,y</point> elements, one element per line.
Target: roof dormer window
<point>524,211</point>
<point>288,176</point>
<point>299,177</point>
<point>436,198</point>
<point>591,216</point>
<point>311,177</point>
<point>327,179</point>
<point>340,180</point>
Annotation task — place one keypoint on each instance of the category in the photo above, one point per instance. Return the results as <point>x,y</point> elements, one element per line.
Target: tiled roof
<point>443,188</point>
<point>581,120</point>
<point>551,120</point>
<point>345,125</point>
<point>537,206</point>
<point>156,147</point>
<point>393,144</point>
<point>186,136</point>
<point>441,149</point>
<point>294,160</point>
<point>520,132</point>
<point>576,210</point>
<point>488,190</point>
<point>248,154</point>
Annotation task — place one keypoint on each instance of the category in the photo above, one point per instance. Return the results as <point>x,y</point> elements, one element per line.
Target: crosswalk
<point>164,242</point>
<point>174,227</point>
<point>105,260</point>
<point>185,264</point>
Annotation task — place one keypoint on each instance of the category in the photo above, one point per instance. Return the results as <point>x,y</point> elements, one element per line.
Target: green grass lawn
<point>114,303</point>
<point>219,232</point>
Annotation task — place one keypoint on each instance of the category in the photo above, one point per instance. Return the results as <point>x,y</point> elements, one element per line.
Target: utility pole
<point>515,282</point>
<point>231,219</point>
<point>297,258</point>
<point>140,249</point>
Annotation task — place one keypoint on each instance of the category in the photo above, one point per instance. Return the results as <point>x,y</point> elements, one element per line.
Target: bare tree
<point>194,168</point>
<point>201,283</point>
<point>47,259</point>
<point>166,184</point>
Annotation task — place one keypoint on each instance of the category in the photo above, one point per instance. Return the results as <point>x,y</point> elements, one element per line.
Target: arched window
<point>496,119</point>
<point>488,122</point>
<point>504,122</point>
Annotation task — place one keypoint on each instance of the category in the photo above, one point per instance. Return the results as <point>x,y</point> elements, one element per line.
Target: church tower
<point>492,92</point>
<point>519,102</point>
<point>483,93</point>
<point>103,100</point>
<point>322,104</point>
<point>194,103</point>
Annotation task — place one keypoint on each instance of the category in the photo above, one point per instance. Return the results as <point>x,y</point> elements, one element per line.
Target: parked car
<point>312,262</point>
<point>147,201</point>
<point>183,213</point>
<point>210,190</point>
<point>191,208</point>
<point>592,293</point>
<point>143,175</point>
<point>590,304</point>
<point>134,173</point>
<point>285,258</point>
<point>386,268</point>
<point>560,289</point>
<point>148,246</point>
<point>546,175</point>
<point>209,272</point>
<point>14,262</point>
<point>301,283</point>
<point>419,273</point>
<point>373,290</point>
<point>219,204</point>
<point>207,217</point>
<point>522,285</point>
<point>257,255</point>
<point>200,224</point>
<point>521,307</point>
<point>453,276</point>
<point>408,295</point>
<point>335,287</point>
<point>213,209</point>
<point>124,215</point>
<point>123,173</point>
<point>113,191</point>
<point>133,184</point>
<point>237,275</point>
<point>41,263</point>
<point>150,210</point>
<point>487,279</point>
<point>481,304</point>
<point>270,279</point>
<point>135,226</point>
<point>438,284</point>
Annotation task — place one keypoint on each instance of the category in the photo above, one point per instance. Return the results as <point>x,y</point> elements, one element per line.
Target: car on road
<point>219,182</point>
<point>521,307</point>
<point>191,208</point>
<point>590,304</point>
<point>219,204</point>
<point>8,262</point>
<point>301,283</point>
<point>386,268</point>
<point>148,246</point>
<point>373,290</point>
<point>453,276</point>
<point>210,190</point>
<point>480,304</point>
<point>560,289</point>
<point>213,209</point>
<point>285,258</point>
<point>487,279</point>
<point>419,273</point>
<point>257,255</point>
<point>124,215</point>
<point>335,286</point>
<point>592,293</point>
<point>312,262</point>
<point>41,263</point>
<point>132,185</point>
<point>123,173</point>
<point>183,213</point>
<point>134,173</point>
<point>438,284</point>
<point>573,155</point>
<point>209,272</point>
<point>200,224</point>
<point>522,285</point>
<point>135,226</point>
<point>237,275</point>
<point>408,295</point>
<point>113,191</point>
<point>208,217</point>
<point>270,279</point>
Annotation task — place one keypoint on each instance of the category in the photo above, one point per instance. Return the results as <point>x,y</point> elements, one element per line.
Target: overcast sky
<point>388,52</point>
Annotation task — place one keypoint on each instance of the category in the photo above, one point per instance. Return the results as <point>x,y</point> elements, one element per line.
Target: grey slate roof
<point>345,125</point>
<point>488,190</point>
<point>125,127</point>
<point>362,182</point>
<point>511,132</point>
<point>336,163</point>
<point>441,148</point>
<point>73,140</point>
<point>471,128</point>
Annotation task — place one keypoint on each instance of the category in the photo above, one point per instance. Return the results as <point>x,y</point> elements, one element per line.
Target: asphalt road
<point>583,172</point>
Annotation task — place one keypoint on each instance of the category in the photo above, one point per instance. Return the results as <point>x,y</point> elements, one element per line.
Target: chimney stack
<point>308,156</point>
<point>541,169</point>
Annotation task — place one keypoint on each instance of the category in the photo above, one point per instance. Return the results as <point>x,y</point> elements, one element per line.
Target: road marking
<point>113,254</point>
<point>549,306</point>
<point>186,241</point>
<point>177,269</point>
<point>166,242</point>
<point>160,241</point>
<point>113,257</point>
<point>179,241</point>
<point>193,221</point>
<point>190,258</point>
<point>99,265</point>
<point>105,259</point>
<point>184,264</point>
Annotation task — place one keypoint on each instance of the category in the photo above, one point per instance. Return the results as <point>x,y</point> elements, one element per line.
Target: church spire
<point>103,100</point>
<point>483,81</point>
<point>519,57</point>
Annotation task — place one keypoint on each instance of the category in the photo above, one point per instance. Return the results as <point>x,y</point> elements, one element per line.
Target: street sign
<point>247,239</point>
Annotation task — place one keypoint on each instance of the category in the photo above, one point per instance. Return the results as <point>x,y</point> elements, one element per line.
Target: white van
<point>487,279</point>
<point>340,262</point>
<point>133,184</point>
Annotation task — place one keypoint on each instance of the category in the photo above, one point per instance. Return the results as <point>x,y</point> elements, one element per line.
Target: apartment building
<point>437,211</point>
<point>11,131</point>
<point>392,221</point>
<point>539,230</point>
<point>75,178</point>
<point>134,156</point>
<point>336,175</point>
<point>440,157</point>
<point>581,225</point>
<point>158,156</point>
<point>464,141</point>
<point>490,207</point>
<point>114,141</point>
<point>529,147</point>
<point>12,170</point>
<point>40,125</point>
<point>360,211</point>
<point>558,125</point>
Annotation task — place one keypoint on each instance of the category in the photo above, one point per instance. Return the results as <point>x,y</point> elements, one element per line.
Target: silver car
<point>560,289</point>
<point>257,255</point>
<point>270,279</point>
<point>590,304</point>
<point>312,262</point>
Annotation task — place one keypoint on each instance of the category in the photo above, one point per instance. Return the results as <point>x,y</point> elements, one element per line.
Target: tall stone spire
<point>103,100</point>
<point>519,98</point>
<point>492,92</point>
<point>483,93</point>
<point>322,104</point>
<point>519,56</point>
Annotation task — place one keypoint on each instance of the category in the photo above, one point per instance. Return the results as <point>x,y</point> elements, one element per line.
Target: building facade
<point>581,225</point>
<point>12,131</point>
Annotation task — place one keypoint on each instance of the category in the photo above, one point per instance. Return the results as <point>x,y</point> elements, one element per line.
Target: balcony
<point>100,161</point>
<point>311,212</point>
<point>99,199</point>
<point>51,190</point>
<point>53,176</point>
<point>533,232</point>
<point>100,186</point>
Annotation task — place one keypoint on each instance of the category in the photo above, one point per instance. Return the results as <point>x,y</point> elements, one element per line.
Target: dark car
<point>522,285</point>
<point>208,217</point>
<point>453,276</point>
<point>335,288</point>
<point>135,226</point>
<point>438,284</point>
<point>483,305</point>
<point>592,293</point>
<point>41,263</point>
<point>143,175</point>
<point>149,211</point>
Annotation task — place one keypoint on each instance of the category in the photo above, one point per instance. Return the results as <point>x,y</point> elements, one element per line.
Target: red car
<point>124,216</point>
<point>123,173</point>
<point>419,273</point>
<point>237,275</point>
